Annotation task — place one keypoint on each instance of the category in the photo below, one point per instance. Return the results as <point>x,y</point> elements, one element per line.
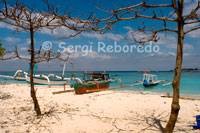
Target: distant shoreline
<point>189,69</point>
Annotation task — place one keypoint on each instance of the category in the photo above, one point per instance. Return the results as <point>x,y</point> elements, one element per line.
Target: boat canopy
<point>150,77</point>
<point>96,76</point>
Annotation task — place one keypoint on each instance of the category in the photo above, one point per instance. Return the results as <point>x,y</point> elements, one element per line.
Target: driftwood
<point>185,98</point>
<point>88,91</point>
<point>59,92</point>
<point>97,90</point>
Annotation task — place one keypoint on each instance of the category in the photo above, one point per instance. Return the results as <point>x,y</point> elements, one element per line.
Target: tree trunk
<point>175,107</point>
<point>33,93</point>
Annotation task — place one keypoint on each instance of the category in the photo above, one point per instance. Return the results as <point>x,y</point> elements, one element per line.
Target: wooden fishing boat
<point>150,80</point>
<point>91,86</point>
<point>92,82</point>
<point>96,76</point>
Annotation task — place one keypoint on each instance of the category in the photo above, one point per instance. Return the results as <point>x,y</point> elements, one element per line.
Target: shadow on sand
<point>156,122</point>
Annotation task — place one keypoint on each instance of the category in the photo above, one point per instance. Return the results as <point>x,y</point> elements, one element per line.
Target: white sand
<point>107,111</point>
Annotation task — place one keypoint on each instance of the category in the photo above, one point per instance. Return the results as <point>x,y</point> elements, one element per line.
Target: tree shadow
<point>154,122</point>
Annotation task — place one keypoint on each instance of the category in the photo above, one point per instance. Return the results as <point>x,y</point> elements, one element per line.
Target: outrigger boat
<point>94,82</point>
<point>91,86</point>
<point>41,79</point>
<point>150,80</point>
<point>96,76</point>
<point>16,76</point>
<point>51,79</point>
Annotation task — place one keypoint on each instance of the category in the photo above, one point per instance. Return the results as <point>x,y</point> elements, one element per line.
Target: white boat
<point>50,80</point>
<point>15,76</point>
<point>150,80</point>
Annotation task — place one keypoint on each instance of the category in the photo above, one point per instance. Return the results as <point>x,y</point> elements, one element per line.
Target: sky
<point>98,60</point>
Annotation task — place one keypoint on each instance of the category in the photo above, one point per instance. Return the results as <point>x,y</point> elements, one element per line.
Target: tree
<point>141,11</point>
<point>1,50</point>
<point>29,20</point>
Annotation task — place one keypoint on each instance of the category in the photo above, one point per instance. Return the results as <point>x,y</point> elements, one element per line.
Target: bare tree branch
<point>128,8</point>
<point>156,6</point>
<point>149,17</point>
<point>193,15</point>
<point>192,22</point>
<point>190,30</point>
<point>175,8</point>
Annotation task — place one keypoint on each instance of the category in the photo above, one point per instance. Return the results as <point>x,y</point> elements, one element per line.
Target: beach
<point>100,112</point>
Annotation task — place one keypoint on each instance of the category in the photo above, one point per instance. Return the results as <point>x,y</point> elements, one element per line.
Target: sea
<point>189,84</point>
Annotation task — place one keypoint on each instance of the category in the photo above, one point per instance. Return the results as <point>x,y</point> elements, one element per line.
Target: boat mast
<point>63,73</point>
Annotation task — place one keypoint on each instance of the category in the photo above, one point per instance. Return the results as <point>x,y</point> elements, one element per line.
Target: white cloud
<point>12,39</point>
<point>187,47</point>
<point>189,26</point>
<point>112,36</point>
<point>171,53</point>
<point>131,34</point>
<point>28,41</point>
<point>169,40</point>
<point>13,54</point>
<point>4,25</point>
<point>23,49</point>
<point>57,42</point>
<point>165,39</point>
<point>163,54</point>
<point>93,35</point>
<point>90,54</point>
<point>151,55</point>
<point>189,5</point>
<point>99,36</point>
<point>186,54</point>
<point>168,54</point>
<point>194,34</point>
<point>62,31</point>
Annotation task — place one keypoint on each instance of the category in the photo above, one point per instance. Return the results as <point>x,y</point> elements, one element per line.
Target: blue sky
<point>163,60</point>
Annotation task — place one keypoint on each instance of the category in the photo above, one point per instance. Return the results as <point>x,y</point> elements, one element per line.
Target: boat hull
<point>42,81</point>
<point>91,87</point>
<point>148,85</point>
<point>12,77</point>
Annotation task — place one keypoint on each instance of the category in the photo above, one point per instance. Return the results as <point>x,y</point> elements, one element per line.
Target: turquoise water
<point>190,81</point>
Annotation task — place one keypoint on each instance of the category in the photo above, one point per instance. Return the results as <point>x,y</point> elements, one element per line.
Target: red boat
<point>91,86</point>
<point>94,82</point>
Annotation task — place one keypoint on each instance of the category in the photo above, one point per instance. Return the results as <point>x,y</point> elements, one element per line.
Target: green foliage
<point>1,50</point>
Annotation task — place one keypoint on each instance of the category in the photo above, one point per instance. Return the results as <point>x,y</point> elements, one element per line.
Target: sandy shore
<point>107,111</point>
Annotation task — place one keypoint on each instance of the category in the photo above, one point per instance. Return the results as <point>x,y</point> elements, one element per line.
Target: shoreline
<point>120,90</point>
<point>106,111</point>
